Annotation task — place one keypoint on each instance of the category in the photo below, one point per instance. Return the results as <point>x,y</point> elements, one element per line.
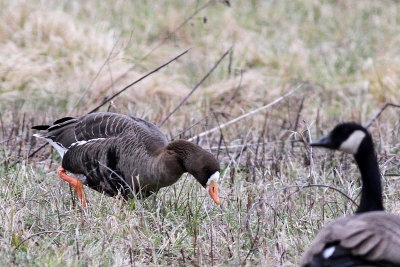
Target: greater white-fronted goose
<point>370,237</point>
<point>115,153</point>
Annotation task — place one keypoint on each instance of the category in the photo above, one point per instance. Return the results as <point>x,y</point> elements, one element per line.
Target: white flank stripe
<point>80,143</point>
<point>328,252</point>
<point>60,149</point>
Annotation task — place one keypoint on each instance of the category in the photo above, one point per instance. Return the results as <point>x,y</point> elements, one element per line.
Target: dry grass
<point>52,54</point>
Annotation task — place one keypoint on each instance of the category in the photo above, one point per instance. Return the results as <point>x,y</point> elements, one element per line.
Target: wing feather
<point>373,236</point>
<point>69,130</point>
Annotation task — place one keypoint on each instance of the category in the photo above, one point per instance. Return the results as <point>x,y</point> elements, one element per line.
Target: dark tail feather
<point>63,120</point>
<point>56,124</point>
<point>41,127</point>
<point>61,131</point>
<point>62,125</point>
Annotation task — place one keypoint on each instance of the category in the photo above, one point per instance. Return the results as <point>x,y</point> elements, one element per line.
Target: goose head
<point>200,163</point>
<point>205,169</point>
<point>348,137</point>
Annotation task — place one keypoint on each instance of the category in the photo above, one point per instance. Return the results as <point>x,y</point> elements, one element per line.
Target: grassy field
<point>61,58</point>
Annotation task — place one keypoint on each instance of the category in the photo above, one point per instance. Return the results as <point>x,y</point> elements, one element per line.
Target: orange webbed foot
<point>75,183</point>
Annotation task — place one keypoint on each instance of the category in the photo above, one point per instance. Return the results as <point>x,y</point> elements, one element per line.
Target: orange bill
<point>213,190</point>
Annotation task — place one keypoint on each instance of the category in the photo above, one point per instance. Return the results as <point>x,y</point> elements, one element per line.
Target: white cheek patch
<point>214,177</point>
<point>328,252</point>
<point>353,142</point>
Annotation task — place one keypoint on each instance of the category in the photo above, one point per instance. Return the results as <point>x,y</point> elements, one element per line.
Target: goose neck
<point>169,163</point>
<point>371,191</point>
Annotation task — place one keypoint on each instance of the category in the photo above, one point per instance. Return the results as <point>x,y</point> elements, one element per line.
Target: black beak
<point>325,141</point>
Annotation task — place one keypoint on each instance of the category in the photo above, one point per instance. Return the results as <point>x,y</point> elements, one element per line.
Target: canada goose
<point>115,153</point>
<point>370,237</point>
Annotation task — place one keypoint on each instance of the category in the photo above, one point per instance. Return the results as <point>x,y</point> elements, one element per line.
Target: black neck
<point>371,191</point>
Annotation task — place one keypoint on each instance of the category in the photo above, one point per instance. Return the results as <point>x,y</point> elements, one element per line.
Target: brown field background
<point>62,58</point>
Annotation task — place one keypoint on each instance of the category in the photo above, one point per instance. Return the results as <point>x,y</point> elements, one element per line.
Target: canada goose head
<point>352,138</point>
<point>199,163</point>
<point>348,137</point>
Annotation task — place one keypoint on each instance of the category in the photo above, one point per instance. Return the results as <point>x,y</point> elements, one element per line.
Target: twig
<point>30,155</point>
<point>222,139</point>
<point>212,247</point>
<point>235,93</point>
<point>254,240</point>
<point>230,62</point>
<point>36,234</point>
<point>118,176</point>
<point>96,76</point>
<point>112,97</point>
<point>296,124</point>
<point>310,186</point>
<point>166,38</point>
<point>208,115</point>
<point>329,187</point>
<point>391,174</point>
<point>279,99</point>
<point>264,200</point>
<point>196,87</point>
<point>380,112</point>
<point>108,99</point>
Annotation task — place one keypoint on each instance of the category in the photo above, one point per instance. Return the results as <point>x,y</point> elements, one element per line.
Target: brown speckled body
<point>117,153</point>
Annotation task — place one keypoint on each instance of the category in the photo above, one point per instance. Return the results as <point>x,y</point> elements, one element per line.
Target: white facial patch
<point>328,252</point>
<point>353,142</point>
<point>214,177</point>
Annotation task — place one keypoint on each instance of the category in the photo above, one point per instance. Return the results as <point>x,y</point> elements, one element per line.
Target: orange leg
<point>75,183</point>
